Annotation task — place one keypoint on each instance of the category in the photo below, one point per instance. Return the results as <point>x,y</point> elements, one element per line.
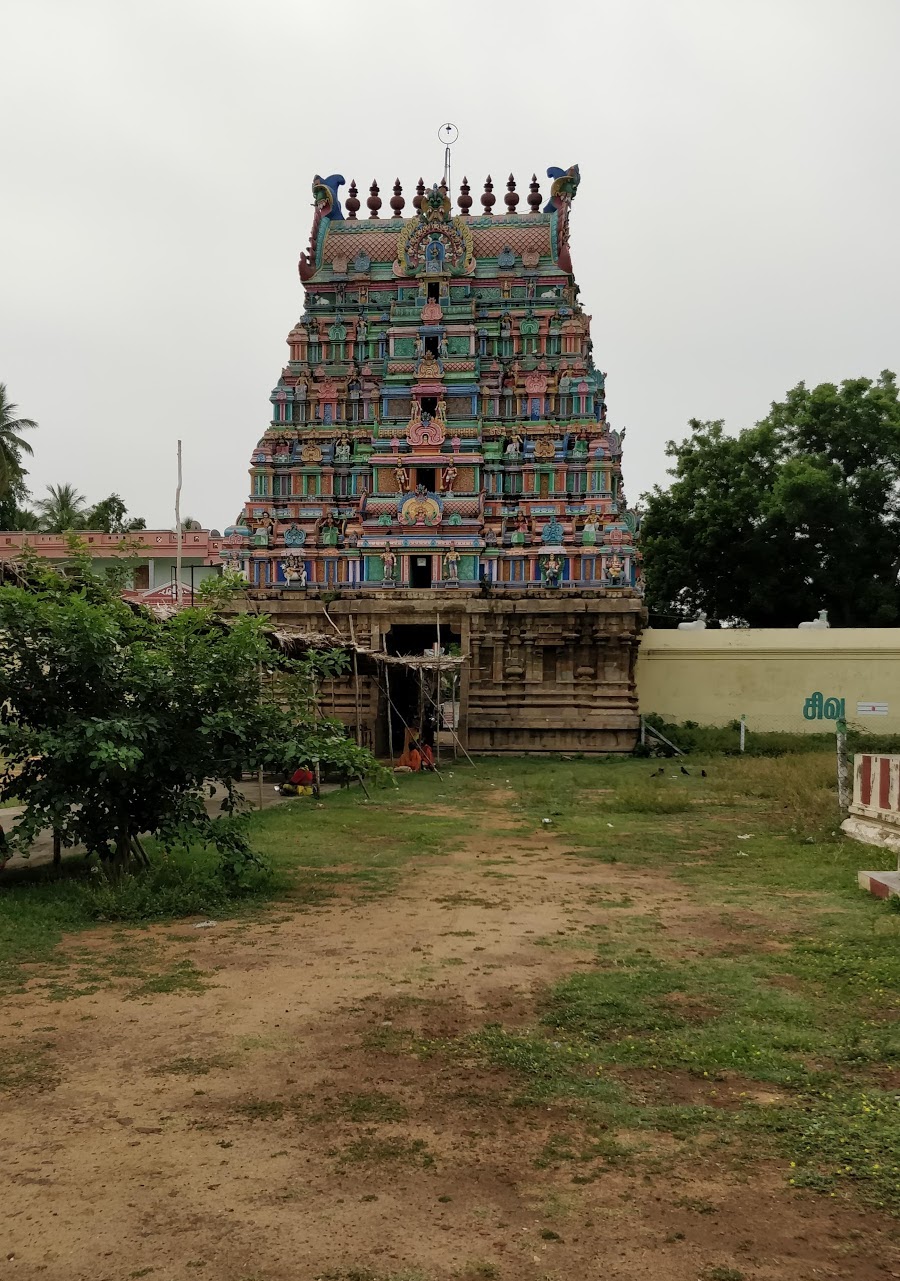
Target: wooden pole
<point>437,728</point>
<point>259,772</point>
<point>356,685</point>
<point>390,708</point>
<point>453,681</point>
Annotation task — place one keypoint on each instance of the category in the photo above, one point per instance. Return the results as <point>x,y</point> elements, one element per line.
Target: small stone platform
<point>881,884</point>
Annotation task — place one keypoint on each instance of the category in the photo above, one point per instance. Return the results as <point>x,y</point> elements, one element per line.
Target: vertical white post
<point>178,533</point>
<point>743,731</point>
<point>643,731</point>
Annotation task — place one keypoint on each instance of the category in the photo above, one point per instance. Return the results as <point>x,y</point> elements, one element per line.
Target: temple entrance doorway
<point>420,571</point>
<point>426,476</point>
<point>412,639</point>
<point>414,691</point>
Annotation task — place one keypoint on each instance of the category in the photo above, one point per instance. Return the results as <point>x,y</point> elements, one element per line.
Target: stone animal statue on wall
<point>821,621</point>
<point>697,625</point>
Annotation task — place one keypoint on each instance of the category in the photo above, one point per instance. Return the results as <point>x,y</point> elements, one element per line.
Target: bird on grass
<point>685,771</point>
<point>703,773</point>
<point>656,773</point>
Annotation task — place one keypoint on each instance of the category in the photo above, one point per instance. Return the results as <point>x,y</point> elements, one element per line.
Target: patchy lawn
<point>656,1036</point>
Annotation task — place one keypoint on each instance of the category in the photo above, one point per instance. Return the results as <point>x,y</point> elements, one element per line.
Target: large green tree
<point>15,513</point>
<point>796,514</point>
<point>111,517</point>
<point>12,443</point>
<point>113,722</point>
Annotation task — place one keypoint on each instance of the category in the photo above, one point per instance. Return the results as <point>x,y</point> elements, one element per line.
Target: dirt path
<point>289,1121</point>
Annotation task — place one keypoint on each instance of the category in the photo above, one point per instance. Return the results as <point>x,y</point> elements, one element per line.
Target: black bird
<point>656,773</point>
<point>703,773</point>
<point>685,771</point>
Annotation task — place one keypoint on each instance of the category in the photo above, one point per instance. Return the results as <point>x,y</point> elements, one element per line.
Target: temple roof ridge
<point>435,238</point>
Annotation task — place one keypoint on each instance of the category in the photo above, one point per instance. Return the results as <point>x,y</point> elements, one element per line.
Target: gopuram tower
<point>439,457</point>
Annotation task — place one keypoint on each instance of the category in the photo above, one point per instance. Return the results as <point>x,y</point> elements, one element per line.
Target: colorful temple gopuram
<point>439,450</point>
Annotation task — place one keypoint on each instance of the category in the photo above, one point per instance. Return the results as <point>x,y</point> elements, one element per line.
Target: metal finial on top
<point>448,134</point>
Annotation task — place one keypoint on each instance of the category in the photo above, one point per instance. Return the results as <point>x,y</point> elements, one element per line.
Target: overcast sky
<point>736,229</point>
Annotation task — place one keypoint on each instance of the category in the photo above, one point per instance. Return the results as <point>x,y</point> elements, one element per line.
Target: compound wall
<point>772,676</point>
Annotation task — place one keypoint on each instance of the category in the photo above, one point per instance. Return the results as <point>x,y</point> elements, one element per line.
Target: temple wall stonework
<point>540,673</point>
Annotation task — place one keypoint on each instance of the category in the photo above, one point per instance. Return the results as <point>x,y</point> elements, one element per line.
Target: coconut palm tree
<point>12,444</point>
<point>63,510</point>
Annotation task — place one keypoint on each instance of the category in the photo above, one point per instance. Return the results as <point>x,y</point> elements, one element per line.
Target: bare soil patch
<point>291,1118</point>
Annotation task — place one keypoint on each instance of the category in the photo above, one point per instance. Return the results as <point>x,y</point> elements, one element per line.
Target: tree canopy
<point>799,513</point>
<point>110,516</point>
<point>12,445</point>
<point>66,509</point>
<point>113,723</point>
<point>63,509</point>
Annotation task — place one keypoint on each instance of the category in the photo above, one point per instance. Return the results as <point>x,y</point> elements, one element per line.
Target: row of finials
<point>464,199</point>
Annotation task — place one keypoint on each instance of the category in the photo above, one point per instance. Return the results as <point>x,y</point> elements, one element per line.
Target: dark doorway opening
<point>420,571</point>
<point>434,290</point>
<point>429,405</point>
<point>432,345</point>
<point>414,691</point>
<point>425,476</point>
<point>415,638</point>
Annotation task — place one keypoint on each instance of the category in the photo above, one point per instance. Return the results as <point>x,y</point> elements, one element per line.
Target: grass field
<point>640,1002</point>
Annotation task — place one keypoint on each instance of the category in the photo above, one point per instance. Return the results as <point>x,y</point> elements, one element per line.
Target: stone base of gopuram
<point>544,671</point>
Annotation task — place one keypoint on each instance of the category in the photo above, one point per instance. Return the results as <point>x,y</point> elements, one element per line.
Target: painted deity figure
<point>389,564</point>
<point>451,564</point>
<point>552,569</point>
<point>448,477</point>
<point>294,573</point>
<point>433,258</point>
<point>589,532</point>
<point>614,568</point>
<point>402,476</point>
<point>514,445</point>
<point>342,450</point>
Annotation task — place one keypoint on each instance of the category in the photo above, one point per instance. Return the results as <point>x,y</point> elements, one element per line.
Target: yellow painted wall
<point>715,676</point>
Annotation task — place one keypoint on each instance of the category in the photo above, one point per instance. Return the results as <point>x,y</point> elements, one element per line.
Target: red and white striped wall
<point>876,788</point>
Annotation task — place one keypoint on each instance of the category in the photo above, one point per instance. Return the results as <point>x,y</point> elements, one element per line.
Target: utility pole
<point>178,534</point>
